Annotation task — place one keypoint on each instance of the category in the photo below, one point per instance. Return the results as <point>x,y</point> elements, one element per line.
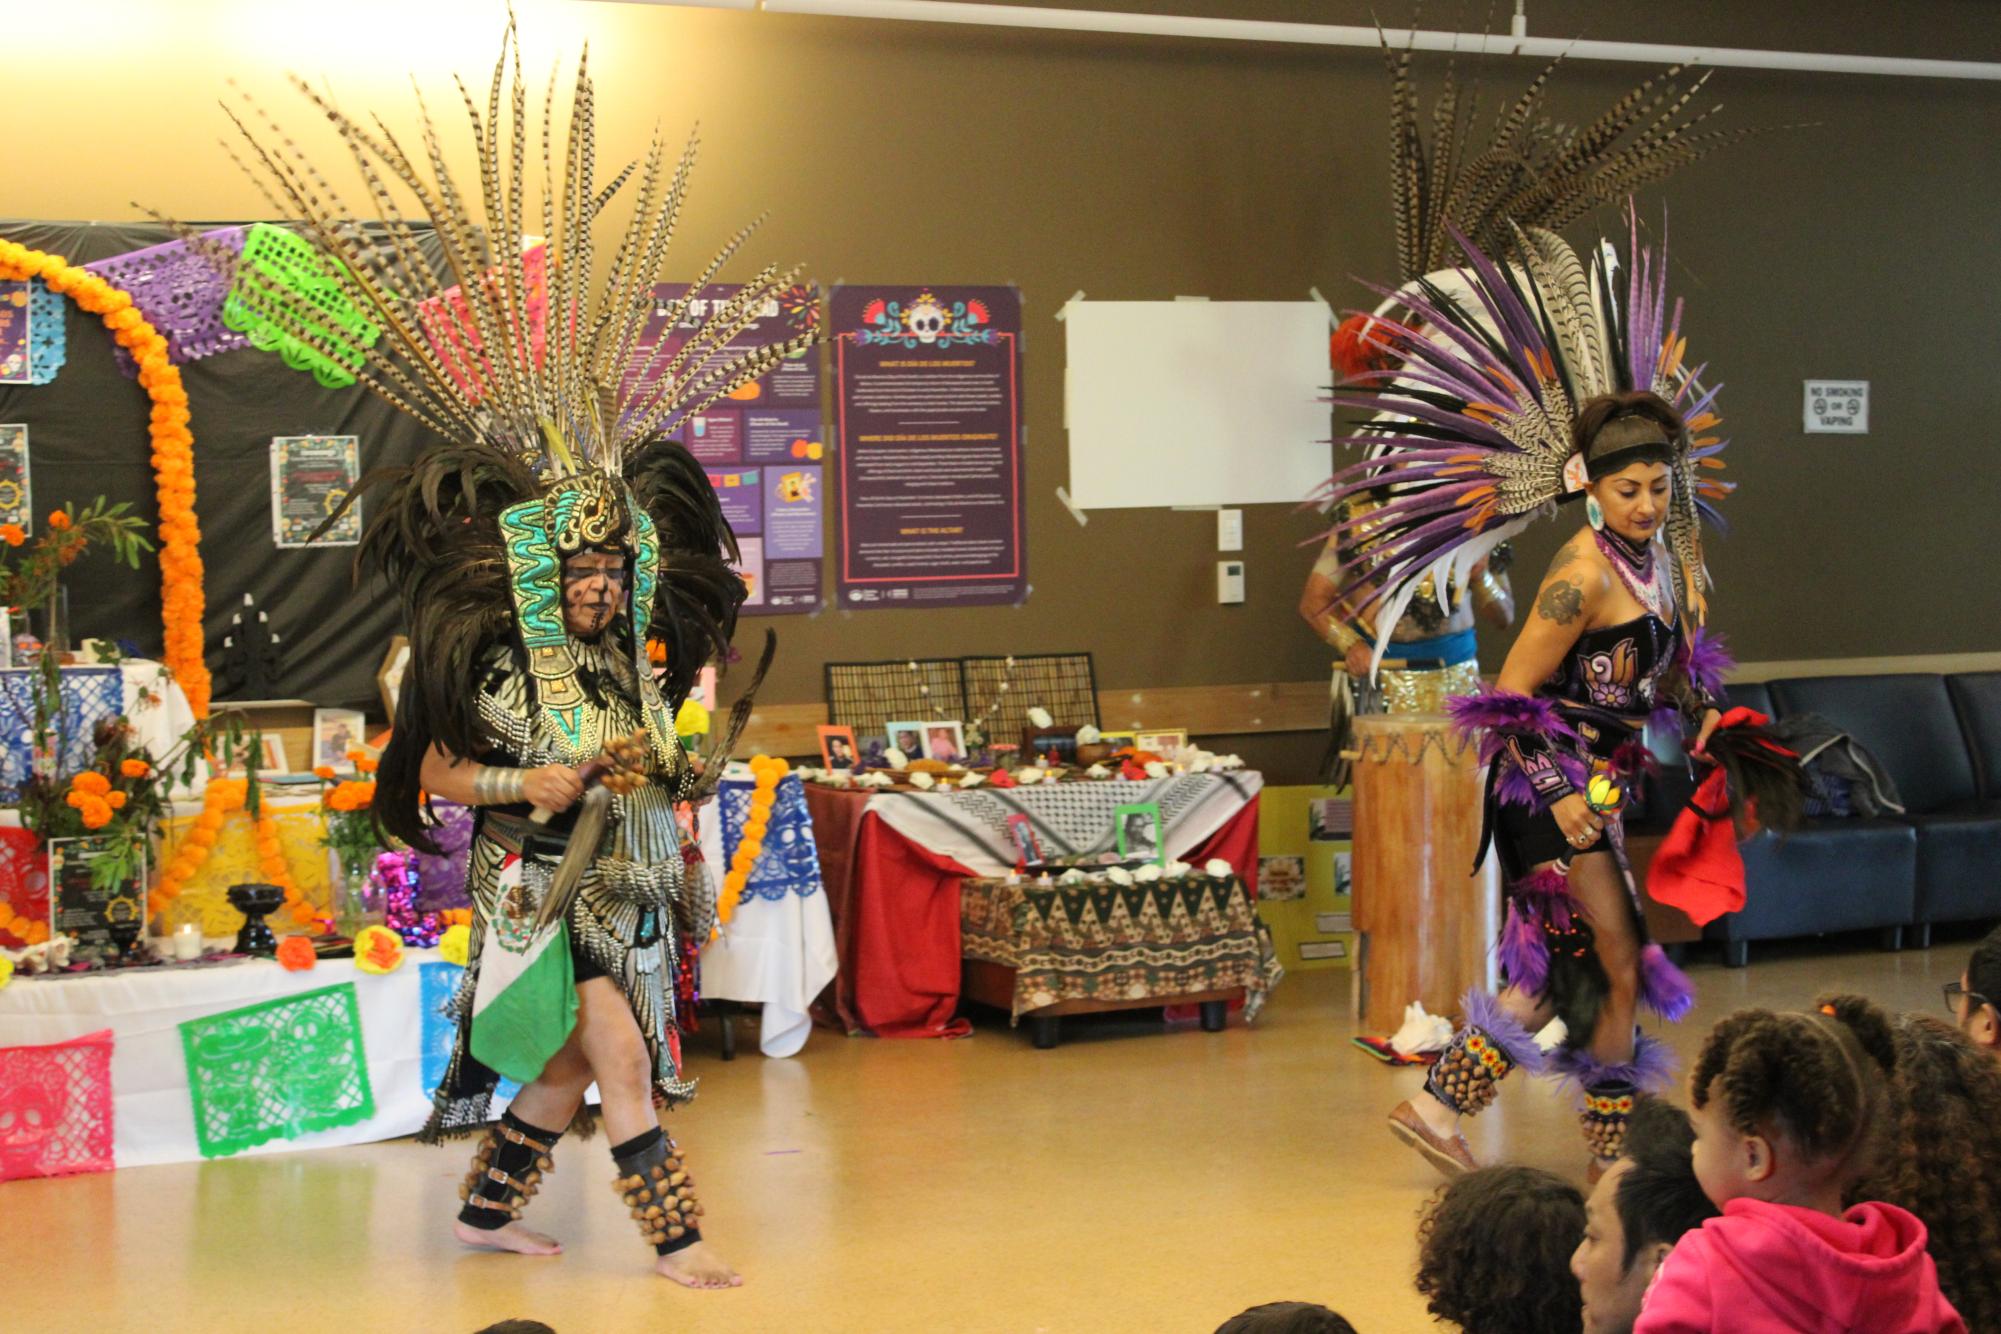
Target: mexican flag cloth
<point>525,1001</point>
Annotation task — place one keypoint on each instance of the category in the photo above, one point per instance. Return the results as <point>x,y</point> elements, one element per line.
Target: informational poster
<point>16,348</point>
<point>311,475</point>
<point>928,387</point>
<point>764,447</point>
<point>17,500</point>
<point>99,919</point>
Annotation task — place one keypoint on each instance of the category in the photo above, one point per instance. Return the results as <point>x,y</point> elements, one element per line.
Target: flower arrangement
<point>181,599</point>
<point>347,809</point>
<point>767,771</point>
<point>31,568</point>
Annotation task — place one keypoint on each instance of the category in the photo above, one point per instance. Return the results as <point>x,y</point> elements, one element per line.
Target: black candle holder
<point>254,901</point>
<point>252,663</point>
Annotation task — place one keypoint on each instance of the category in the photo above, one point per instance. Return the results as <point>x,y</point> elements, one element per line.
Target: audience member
<point>1493,1247</point>
<point>1638,1210</point>
<point>1788,1112</point>
<point>1944,1161</point>
<point>1976,999</point>
<point>1286,1318</point>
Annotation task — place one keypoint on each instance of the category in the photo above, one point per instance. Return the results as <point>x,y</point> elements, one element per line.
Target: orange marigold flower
<point>366,765</point>
<point>135,768</point>
<point>12,534</point>
<point>323,771</point>
<point>356,755</point>
<point>92,782</point>
<point>115,800</point>
<point>297,954</point>
<point>59,521</point>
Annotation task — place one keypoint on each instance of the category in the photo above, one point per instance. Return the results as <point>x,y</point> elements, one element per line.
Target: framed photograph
<point>389,677</point>
<point>906,737</point>
<point>945,741</point>
<point>1027,851</point>
<point>271,757</point>
<point>311,478</point>
<point>1138,828</point>
<point>837,747</point>
<point>1116,740</point>
<point>335,733</point>
<point>1058,743</point>
<point>1166,744</point>
<point>1281,879</point>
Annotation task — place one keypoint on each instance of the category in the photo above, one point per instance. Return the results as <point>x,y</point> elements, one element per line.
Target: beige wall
<point>1862,245</point>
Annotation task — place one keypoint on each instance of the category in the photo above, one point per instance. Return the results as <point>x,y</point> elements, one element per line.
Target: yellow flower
<point>6,971</point>
<point>692,719</point>
<point>455,946</point>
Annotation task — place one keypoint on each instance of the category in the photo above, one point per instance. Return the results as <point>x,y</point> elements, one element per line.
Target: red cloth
<point>1772,1268</point>
<point>896,917</point>
<point>1698,868</point>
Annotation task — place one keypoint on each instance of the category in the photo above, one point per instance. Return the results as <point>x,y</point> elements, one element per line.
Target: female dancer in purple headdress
<point>1536,384</point>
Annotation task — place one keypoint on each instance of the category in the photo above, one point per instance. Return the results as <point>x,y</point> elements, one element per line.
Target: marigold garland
<point>223,796</point>
<point>181,601</point>
<point>767,771</point>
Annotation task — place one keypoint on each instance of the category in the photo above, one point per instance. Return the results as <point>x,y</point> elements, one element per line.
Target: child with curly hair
<point>1789,1110</point>
<point>1494,1251</point>
<point>1945,1162</point>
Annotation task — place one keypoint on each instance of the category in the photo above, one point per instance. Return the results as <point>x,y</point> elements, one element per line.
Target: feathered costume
<point>554,417</point>
<point>1473,433</point>
<point>1531,173</point>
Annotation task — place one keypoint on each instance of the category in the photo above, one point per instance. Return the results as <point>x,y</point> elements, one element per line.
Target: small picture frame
<point>945,741</point>
<point>906,737</point>
<point>335,733</point>
<point>1058,743</point>
<point>1138,833</point>
<point>271,758</point>
<point>389,676</point>
<point>1021,833</point>
<point>1116,740</point>
<point>1166,743</point>
<point>837,747</point>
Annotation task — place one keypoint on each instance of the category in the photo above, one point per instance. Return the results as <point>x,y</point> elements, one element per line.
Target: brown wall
<point>1862,245</point>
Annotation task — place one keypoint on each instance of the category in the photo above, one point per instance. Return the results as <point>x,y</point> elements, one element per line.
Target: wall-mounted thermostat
<point>1229,581</point>
<point>1837,407</point>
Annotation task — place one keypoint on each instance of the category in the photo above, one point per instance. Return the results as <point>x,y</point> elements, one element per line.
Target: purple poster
<point>16,349</point>
<point>928,385</point>
<point>764,447</point>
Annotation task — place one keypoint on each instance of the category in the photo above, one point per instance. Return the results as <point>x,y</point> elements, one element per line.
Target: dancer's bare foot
<point>698,1266</point>
<point>513,1237</point>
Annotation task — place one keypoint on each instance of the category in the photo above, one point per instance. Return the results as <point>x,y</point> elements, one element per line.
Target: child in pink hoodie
<point>1787,1109</point>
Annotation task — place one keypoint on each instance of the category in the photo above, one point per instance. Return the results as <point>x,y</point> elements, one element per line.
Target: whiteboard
<point>1196,402</point>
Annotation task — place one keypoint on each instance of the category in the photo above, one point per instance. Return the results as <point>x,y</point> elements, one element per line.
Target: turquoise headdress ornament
<point>589,510</point>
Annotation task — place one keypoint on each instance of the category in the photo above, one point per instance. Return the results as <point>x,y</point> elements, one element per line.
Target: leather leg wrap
<point>507,1170</point>
<point>653,1182</point>
<point>1607,1109</point>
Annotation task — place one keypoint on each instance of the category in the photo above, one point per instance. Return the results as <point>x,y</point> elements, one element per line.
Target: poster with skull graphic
<point>928,397</point>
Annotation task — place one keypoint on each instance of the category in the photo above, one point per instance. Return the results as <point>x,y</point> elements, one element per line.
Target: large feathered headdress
<point>553,408</point>
<point>1471,438</point>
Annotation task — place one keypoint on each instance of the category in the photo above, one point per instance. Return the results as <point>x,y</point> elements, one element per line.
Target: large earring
<point>1594,514</point>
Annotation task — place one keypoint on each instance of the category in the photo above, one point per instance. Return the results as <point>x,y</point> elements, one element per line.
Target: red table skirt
<point>896,917</point>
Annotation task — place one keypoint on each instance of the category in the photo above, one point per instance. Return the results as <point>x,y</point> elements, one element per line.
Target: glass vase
<point>349,898</point>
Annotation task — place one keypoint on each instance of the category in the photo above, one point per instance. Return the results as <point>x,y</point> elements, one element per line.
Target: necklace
<point>1643,576</point>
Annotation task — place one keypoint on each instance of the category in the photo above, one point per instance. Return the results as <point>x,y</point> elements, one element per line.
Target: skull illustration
<point>926,319</point>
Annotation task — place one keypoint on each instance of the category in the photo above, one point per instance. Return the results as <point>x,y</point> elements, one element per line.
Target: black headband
<point>1624,441</point>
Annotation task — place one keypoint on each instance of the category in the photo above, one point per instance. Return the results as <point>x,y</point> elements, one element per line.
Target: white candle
<point>187,942</point>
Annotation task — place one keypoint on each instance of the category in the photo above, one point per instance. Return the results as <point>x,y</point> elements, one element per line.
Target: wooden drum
<point>1425,922</point>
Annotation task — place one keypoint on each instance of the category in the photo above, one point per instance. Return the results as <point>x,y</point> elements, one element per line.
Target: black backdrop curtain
<point>87,437</point>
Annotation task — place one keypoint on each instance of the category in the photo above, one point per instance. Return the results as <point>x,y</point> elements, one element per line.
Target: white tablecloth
<point>154,1118</point>
<point>778,950</point>
<point>1069,819</point>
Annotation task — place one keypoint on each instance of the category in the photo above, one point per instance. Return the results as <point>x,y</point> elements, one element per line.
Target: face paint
<point>593,589</point>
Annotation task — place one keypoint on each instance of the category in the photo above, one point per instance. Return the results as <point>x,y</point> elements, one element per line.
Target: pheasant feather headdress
<point>552,406</point>
<point>1471,437</point>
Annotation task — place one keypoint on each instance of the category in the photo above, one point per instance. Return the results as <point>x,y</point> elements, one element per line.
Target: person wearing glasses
<point>1975,1000</point>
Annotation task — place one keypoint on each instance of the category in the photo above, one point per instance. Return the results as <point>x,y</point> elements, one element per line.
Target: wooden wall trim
<point>1258,708</point>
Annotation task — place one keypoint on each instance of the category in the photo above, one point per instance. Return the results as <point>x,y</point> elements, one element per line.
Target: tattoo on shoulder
<point>1560,601</point>
<point>1566,556</point>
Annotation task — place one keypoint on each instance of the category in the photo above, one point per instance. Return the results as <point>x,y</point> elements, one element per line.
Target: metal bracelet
<point>498,785</point>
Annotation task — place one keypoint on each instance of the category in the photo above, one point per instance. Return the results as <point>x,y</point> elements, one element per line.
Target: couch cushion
<point>1749,695</point>
<point>1832,875</point>
<point>1977,698</point>
<point>1906,721</point>
<point>1959,867</point>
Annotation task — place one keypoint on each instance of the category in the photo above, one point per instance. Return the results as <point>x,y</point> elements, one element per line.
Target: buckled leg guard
<point>654,1183</point>
<point>1468,1075</point>
<point>507,1169</point>
<point>1606,1111</point>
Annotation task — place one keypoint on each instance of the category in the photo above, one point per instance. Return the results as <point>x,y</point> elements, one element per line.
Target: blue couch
<point>1939,739</point>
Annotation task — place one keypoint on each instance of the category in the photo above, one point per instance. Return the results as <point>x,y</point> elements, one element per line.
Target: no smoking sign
<point>1837,407</point>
